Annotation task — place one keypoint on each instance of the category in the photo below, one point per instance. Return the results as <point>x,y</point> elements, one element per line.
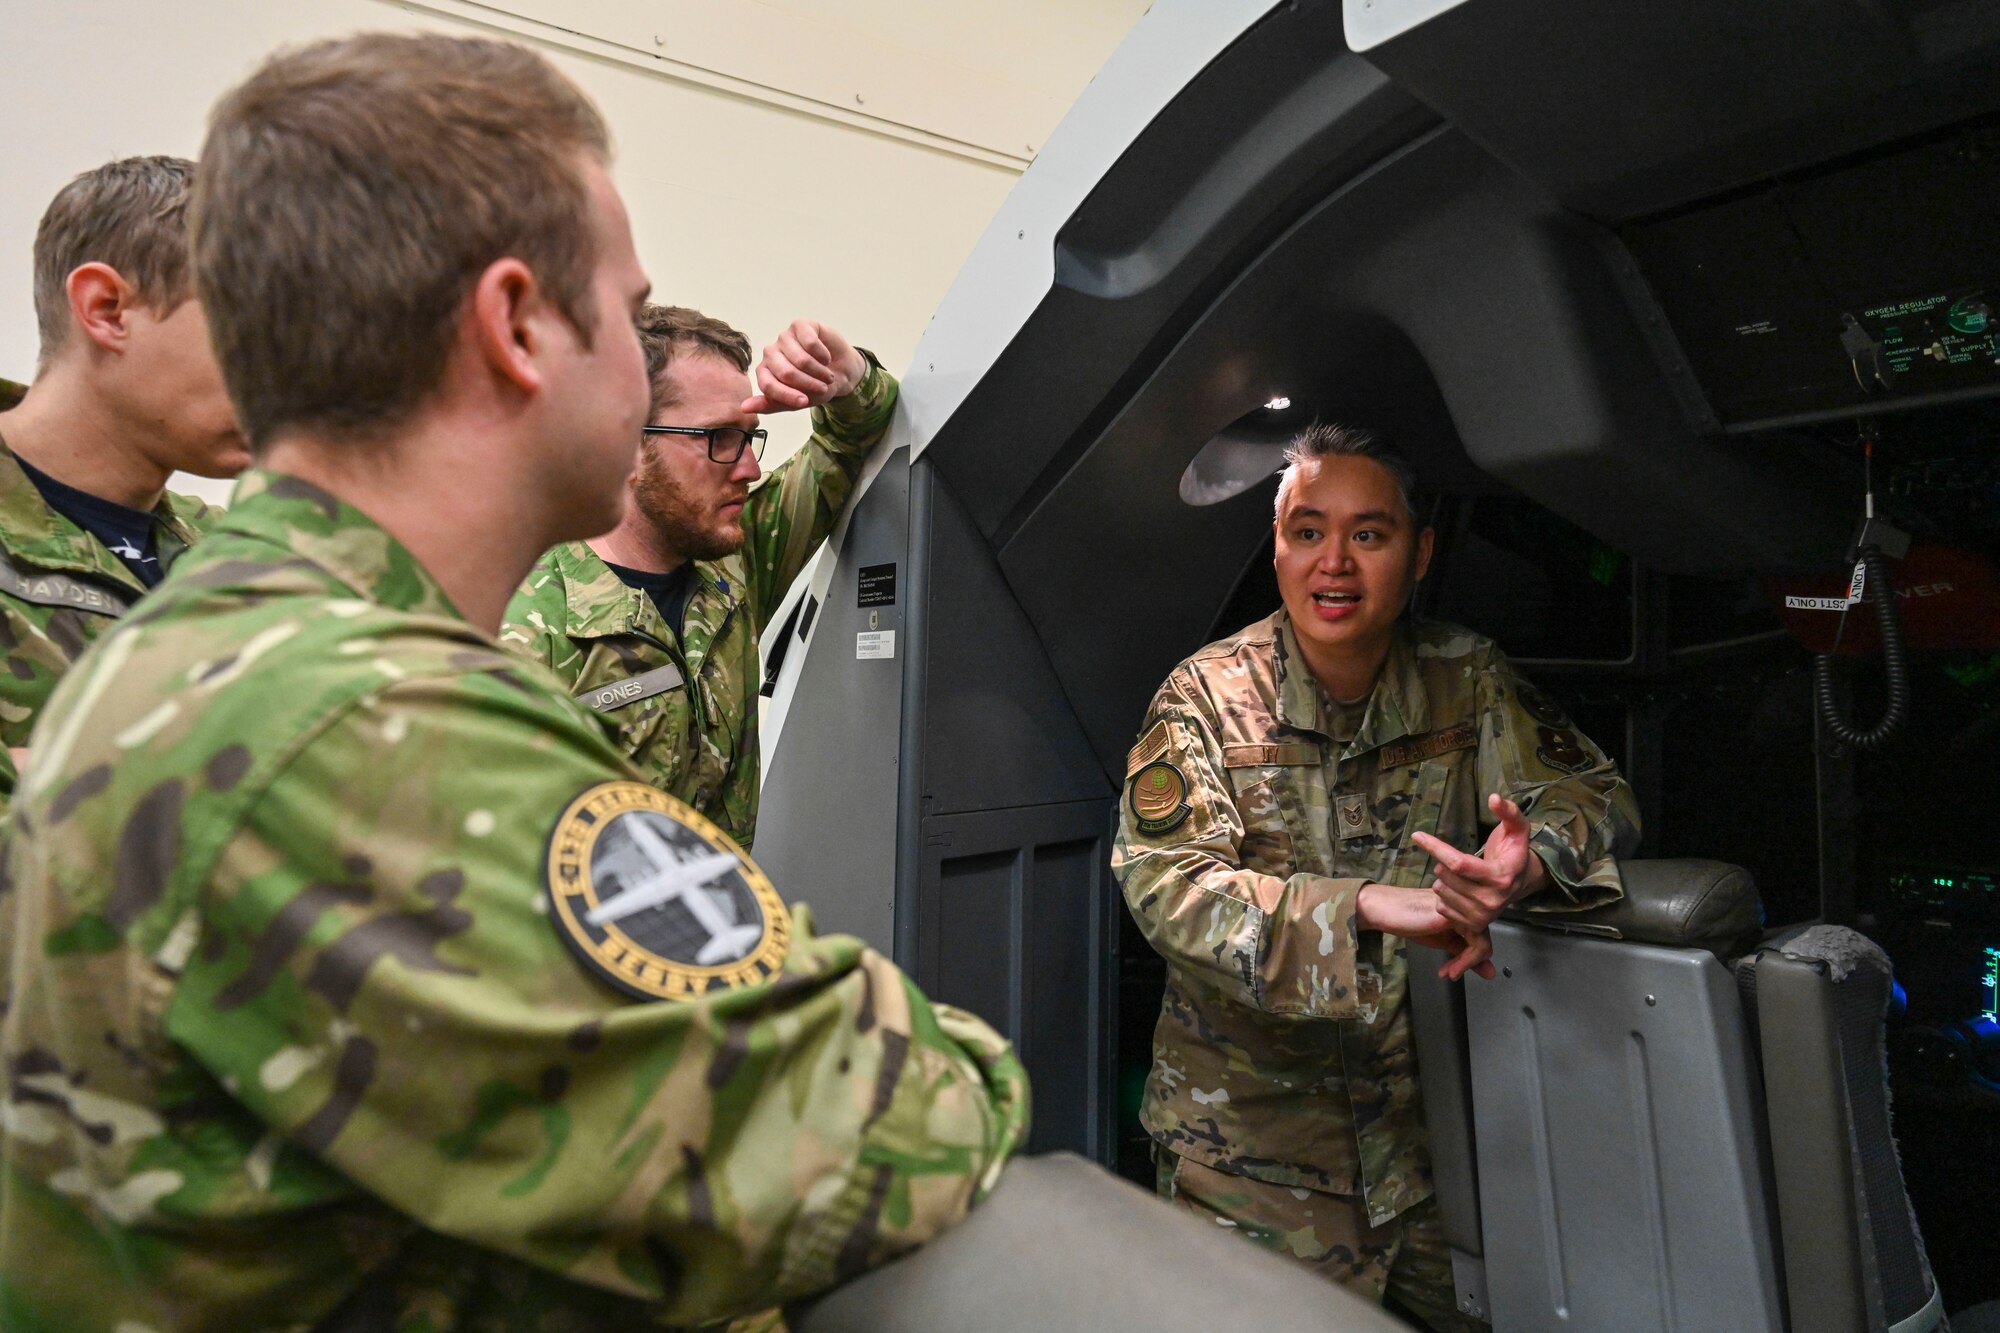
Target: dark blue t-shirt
<point>670,591</point>
<point>131,534</point>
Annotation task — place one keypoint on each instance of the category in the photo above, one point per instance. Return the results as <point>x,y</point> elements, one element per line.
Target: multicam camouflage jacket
<point>686,708</point>
<point>60,588</point>
<point>1282,1050</point>
<point>329,922</point>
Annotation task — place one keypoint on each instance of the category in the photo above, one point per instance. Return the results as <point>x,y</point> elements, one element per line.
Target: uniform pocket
<point>1273,785</point>
<point>1268,847</point>
<point>1403,801</point>
<point>1427,798</point>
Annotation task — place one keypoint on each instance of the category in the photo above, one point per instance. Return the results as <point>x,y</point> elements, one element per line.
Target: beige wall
<point>831,158</point>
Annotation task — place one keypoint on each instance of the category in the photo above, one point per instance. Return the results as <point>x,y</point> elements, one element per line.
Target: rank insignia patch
<point>1159,797</point>
<point>658,901</point>
<point>1351,815</point>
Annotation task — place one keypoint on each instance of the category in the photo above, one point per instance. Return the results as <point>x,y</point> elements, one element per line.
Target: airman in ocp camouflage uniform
<point>1283,1093</point>
<point>685,704</point>
<point>275,1021</point>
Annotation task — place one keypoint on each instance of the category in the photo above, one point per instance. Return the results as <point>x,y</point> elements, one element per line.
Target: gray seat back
<point>1706,903</point>
<point>1622,1168</point>
<point>1063,1247</point>
<point>1854,1259</point>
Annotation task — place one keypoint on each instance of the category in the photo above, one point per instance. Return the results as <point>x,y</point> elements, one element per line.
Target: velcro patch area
<point>1257,756</point>
<point>1428,746</point>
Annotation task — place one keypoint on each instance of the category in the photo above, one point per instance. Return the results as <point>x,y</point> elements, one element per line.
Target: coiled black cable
<point>1895,662</point>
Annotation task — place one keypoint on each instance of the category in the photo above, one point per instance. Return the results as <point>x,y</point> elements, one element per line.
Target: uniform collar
<point>1398,706</point>
<point>332,535</point>
<point>36,534</point>
<point>597,604</point>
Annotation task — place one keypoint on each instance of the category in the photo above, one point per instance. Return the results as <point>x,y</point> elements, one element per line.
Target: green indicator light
<point>1604,566</point>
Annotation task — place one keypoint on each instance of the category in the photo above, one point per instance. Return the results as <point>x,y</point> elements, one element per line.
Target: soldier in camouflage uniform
<point>683,693</point>
<point>126,393</point>
<point>1296,809</point>
<point>358,981</point>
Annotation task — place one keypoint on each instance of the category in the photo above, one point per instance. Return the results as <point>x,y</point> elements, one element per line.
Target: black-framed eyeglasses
<point>725,443</point>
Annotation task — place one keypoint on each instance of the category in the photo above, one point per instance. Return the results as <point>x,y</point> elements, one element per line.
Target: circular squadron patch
<point>1559,750</point>
<point>657,900</point>
<point>1159,797</point>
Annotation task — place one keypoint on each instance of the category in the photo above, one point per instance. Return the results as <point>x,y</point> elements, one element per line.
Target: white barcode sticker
<point>874,643</point>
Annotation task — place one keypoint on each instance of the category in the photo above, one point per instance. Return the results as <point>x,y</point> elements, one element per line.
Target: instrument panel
<point>1868,285</point>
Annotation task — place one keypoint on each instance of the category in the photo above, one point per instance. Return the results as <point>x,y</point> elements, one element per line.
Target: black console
<point>1868,285</point>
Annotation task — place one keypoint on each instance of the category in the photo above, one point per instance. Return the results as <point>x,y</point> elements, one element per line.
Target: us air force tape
<point>657,900</point>
<point>1159,797</point>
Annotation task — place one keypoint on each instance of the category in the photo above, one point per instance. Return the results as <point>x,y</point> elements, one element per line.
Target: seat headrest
<point>1682,904</point>
<point>1841,950</point>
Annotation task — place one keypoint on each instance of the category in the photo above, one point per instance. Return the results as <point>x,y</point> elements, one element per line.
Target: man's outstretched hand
<point>1414,915</point>
<point>808,365</point>
<point>1473,890</point>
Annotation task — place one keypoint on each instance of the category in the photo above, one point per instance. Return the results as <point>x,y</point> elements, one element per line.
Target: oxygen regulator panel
<point>1867,286</point>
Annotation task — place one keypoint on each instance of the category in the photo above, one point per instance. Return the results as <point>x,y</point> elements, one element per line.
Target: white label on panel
<point>879,643</point>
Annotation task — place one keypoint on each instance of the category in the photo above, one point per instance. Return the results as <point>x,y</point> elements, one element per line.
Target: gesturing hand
<point>1469,953</point>
<point>1472,890</point>
<point>1413,914</point>
<point>807,365</point>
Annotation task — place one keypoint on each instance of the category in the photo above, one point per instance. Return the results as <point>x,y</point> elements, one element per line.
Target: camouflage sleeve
<point>532,625</point>
<point>1285,944</point>
<point>35,664</point>
<point>379,979</point>
<point>1579,805</point>
<point>198,514</point>
<point>793,511</point>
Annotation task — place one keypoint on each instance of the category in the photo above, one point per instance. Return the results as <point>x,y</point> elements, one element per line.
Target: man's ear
<point>100,303</point>
<point>505,328</point>
<point>1426,541</point>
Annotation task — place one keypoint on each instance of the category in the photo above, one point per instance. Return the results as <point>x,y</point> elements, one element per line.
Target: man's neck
<point>1347,676</point>
<point>68,431</point>
<point>636,544</point>
<point>477,538</point>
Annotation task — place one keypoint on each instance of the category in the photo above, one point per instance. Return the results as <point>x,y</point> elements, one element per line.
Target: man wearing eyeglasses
<point>655,624</point>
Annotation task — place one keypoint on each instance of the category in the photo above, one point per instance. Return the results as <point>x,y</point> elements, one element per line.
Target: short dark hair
<point>130,214</point>
<point>349,195</point>
<point>667,331</point>
<point>1326,440</point>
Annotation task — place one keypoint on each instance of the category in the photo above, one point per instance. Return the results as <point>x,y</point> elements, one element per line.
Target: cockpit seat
<point>1680,1123</point>
<point>1854,1258</point>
